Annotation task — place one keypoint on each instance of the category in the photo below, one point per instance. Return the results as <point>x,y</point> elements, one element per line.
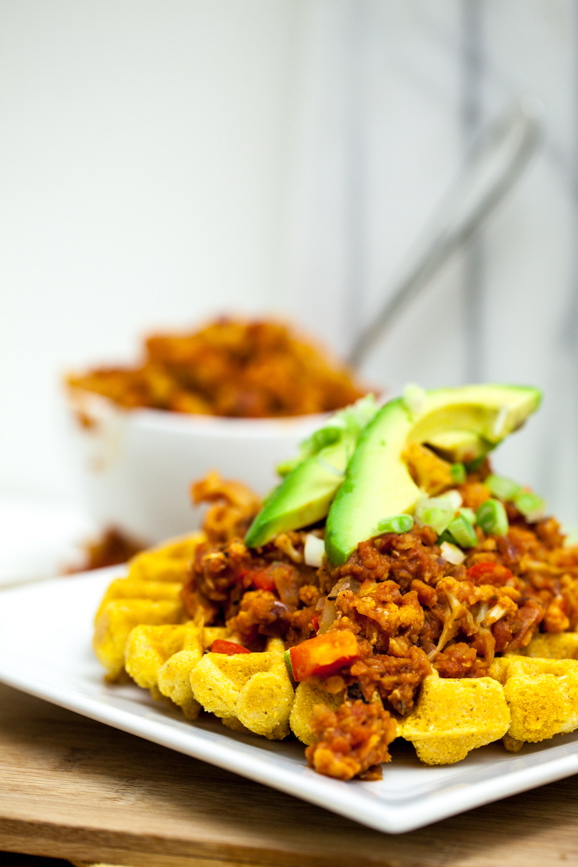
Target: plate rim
<point>354,800</point>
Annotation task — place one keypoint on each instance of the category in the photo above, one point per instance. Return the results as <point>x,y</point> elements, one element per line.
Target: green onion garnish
<point>492,518</point>
<point>530,505</point>
<point>458,473</point>
<point>436,518</point>
<point>503,488</point>
<point>325,436</point>
<point>472,466</point>
<point>462,532</point>
<point>468,513</point>
<point>437,512</point>
<point>395,524</point>
<point>287,658</point>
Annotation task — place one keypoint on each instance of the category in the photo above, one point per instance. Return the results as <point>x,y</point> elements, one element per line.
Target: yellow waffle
<point>307,695</point>
<point>149,649</point>
<point>160,659</point>
<point>250,689</point>
<point>148,595</point>
<point>455,716</point>
<point>166,562</point>
<point>542,695</point>
<point>552,645</point>
<point>141,627</point>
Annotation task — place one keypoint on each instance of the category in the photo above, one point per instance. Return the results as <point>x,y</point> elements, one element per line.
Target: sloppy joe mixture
<point>229,367</point>
<point>404,605</point>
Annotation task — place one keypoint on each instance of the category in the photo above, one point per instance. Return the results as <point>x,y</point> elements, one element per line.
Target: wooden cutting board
<point>73,788</point>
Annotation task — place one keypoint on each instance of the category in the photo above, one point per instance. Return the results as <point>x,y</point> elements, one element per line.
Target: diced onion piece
<point>328,616</point>
<point>345,583</point>
<point>452,553</point>
<point>454,497</point>
<point>492,518</point>
<point>494,614</point>
<point>314,550</point>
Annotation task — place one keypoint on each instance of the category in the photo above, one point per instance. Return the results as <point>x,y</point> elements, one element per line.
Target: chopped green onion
<point>468,513</point>
<point>319,439</point>
<point>503,488</point>
<point>530,505</point>
<point>462,532</point>
<point>325,436</point>
<point>451,500</point>
<point>436,518</point>
<point>437,512</point>
<point>527,502</point>
<point>348,422</point>
<point>458,473</point>
<point>492,518</point>
<point>395,524</point>
<point>285,468</point>
<point>287,658</point>
<point>472,466</point>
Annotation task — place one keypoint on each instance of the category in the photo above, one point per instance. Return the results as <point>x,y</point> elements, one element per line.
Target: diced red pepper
<point>220,645</point>
<point>489,571</point>
<point>315,623</point>
<point>262,580</point>
<point>323,655</point>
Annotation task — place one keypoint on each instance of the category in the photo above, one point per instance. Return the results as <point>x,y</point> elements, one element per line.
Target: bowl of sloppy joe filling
<point>234,396</point>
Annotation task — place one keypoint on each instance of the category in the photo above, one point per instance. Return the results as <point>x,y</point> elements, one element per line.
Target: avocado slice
<point>312,479</point>
<point>303,497</point>
<point>464,446</point>
<point>469,420</point>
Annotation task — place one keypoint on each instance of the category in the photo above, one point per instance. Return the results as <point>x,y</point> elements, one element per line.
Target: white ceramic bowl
<point>135,468</point>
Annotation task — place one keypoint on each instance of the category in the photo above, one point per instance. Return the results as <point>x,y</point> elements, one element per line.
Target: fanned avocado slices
<point>313,477</point>
<point>352,470</point>
<point>465,421</point>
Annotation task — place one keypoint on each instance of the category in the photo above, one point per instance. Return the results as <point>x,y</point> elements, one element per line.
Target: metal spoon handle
<point>495,164</point>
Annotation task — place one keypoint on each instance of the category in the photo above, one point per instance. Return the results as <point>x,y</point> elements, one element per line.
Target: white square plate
<point>45,633</point>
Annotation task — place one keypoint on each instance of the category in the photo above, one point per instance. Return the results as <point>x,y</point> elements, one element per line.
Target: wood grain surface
<point>75,789</point>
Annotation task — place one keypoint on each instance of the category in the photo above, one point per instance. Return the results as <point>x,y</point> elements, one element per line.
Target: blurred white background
<point>162,161</point>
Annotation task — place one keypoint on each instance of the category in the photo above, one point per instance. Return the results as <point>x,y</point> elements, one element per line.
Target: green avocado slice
<point>303,497</point>
<point>464,446</point>
<point>469,420</point>
<point>313,477</point>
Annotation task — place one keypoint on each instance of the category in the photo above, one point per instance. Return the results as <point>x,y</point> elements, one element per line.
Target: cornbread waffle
<point>141,630</point>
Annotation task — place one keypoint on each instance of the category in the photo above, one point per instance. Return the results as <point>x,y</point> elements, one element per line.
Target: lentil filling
<point>411,610</point>
<point>229,367</point>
